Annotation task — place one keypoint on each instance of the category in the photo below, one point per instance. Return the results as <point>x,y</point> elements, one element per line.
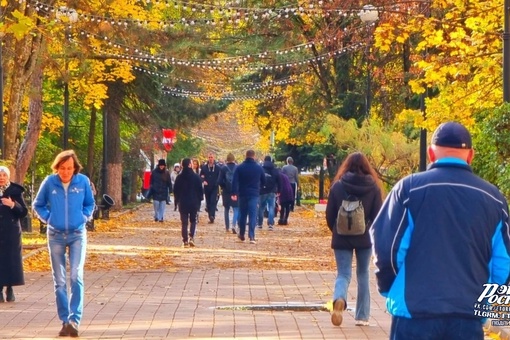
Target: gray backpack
<point>350,219</point>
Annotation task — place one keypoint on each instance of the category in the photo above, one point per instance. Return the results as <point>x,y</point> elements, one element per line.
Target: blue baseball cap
<point>452,135</point>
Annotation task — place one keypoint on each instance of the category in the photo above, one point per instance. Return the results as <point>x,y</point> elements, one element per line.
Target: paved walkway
<point>198,303</point>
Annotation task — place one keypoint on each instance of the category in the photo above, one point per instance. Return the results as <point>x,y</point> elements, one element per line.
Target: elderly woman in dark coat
<point>12,209</point>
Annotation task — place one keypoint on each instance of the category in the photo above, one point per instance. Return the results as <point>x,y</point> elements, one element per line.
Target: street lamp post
<point>2,149</point>
<point>72,16</point>
<point>506,53</point>
<point>368,14</point>
<point>104,167</point>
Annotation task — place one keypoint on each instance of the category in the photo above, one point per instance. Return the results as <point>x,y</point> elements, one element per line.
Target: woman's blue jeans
<point>159,209</point>
<point>343,259</point>
<point>69,307</point>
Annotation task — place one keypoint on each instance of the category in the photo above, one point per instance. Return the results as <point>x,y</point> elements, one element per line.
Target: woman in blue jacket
<point>65,203</point>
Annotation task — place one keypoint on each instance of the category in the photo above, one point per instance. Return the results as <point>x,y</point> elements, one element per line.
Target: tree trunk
<point>135,186</point>
<point>25,53</point>
<point>116,93</point>
<point>35,111</point>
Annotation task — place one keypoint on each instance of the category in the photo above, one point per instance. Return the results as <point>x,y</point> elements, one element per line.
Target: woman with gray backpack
<point>354,200</point>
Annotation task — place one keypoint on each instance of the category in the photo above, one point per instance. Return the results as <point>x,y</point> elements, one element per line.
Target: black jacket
<point>269,168</point>
<point>188,191</point>
<point>365,188</point>
<point>210,176</point>
<point>11,262</point>
<point>161,184</point>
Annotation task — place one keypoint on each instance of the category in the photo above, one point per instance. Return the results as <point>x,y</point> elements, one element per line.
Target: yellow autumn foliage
<point>456,50</point>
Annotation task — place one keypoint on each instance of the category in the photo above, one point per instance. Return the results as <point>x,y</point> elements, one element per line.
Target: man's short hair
<point>250,154</point>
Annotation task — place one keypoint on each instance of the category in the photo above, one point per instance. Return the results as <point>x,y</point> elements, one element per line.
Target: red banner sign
<point>169,138</point>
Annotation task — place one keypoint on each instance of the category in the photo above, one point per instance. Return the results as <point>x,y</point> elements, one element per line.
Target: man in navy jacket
<point>248,178</point>
<point>440,236</point>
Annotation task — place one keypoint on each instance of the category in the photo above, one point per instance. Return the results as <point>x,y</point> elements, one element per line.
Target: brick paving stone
<point>181,303</point>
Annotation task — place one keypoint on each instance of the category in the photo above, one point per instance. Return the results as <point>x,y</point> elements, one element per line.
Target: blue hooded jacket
<point>61,210</point>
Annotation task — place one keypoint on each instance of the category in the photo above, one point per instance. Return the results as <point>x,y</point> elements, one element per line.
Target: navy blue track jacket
<point>440,235</point>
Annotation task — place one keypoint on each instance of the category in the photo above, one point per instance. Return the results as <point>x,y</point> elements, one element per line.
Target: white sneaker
<point>271,227</point>
<point>362,323</point>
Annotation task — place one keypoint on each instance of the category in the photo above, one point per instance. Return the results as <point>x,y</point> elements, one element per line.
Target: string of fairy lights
<point>229,94</point>
<point>254,85</point>
<point>221,14</point>
<point>239,67</point>
<point>218,14</point>
<point>194,14</point>
<point>265,55</point>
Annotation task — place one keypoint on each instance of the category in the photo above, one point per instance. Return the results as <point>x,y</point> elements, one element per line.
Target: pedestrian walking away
<point>12,210</point>
<point>285,199</point>
<point>355,180</point>
<point>268,192</point>
<point>292,173</point>
<point>65,203</point>
<point>188,195</point>
<point>440,238</point>
<point>210,172</point>
<point>225,182</point>
<point>248,179</point>
<point>160,189</point>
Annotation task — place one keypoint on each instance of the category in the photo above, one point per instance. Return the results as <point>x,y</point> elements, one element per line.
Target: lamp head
<point>67,14</point>
<point>368,14</point>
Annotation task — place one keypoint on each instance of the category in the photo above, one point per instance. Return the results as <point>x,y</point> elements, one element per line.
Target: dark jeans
<point>294,189</point>
<point>285,211</point>
<point>211,199</point>
<point>192,218</point>
<point>248,211</point>
<point>447,328</point>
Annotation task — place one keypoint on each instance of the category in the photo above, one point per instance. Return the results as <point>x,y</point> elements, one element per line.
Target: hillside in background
<point>223,134</point>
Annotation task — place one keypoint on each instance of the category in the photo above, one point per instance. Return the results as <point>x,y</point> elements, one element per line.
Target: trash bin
<point>106,203</point>
<point>26,223</point>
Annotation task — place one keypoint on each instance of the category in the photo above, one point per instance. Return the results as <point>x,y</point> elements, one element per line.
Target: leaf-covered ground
<point>133,241</point>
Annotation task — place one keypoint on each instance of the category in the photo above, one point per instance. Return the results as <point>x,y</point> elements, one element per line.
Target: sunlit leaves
<point>455,49</point>
<point>22,26</point>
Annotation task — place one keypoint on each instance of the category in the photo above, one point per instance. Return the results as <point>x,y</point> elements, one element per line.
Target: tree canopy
<point>289,68</point>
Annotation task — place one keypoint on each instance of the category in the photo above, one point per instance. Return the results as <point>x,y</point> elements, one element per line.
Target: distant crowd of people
<point>249,192</point>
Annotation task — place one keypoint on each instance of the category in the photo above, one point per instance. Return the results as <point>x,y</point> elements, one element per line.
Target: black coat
<point>365,188</point>
<point>210,175</point>
<point>269,168</point>
<point>161,184</point>
<point>11,259</point>
<point>188,191</point>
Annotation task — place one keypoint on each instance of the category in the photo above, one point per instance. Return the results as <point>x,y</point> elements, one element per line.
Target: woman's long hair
<point>357,163</point>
